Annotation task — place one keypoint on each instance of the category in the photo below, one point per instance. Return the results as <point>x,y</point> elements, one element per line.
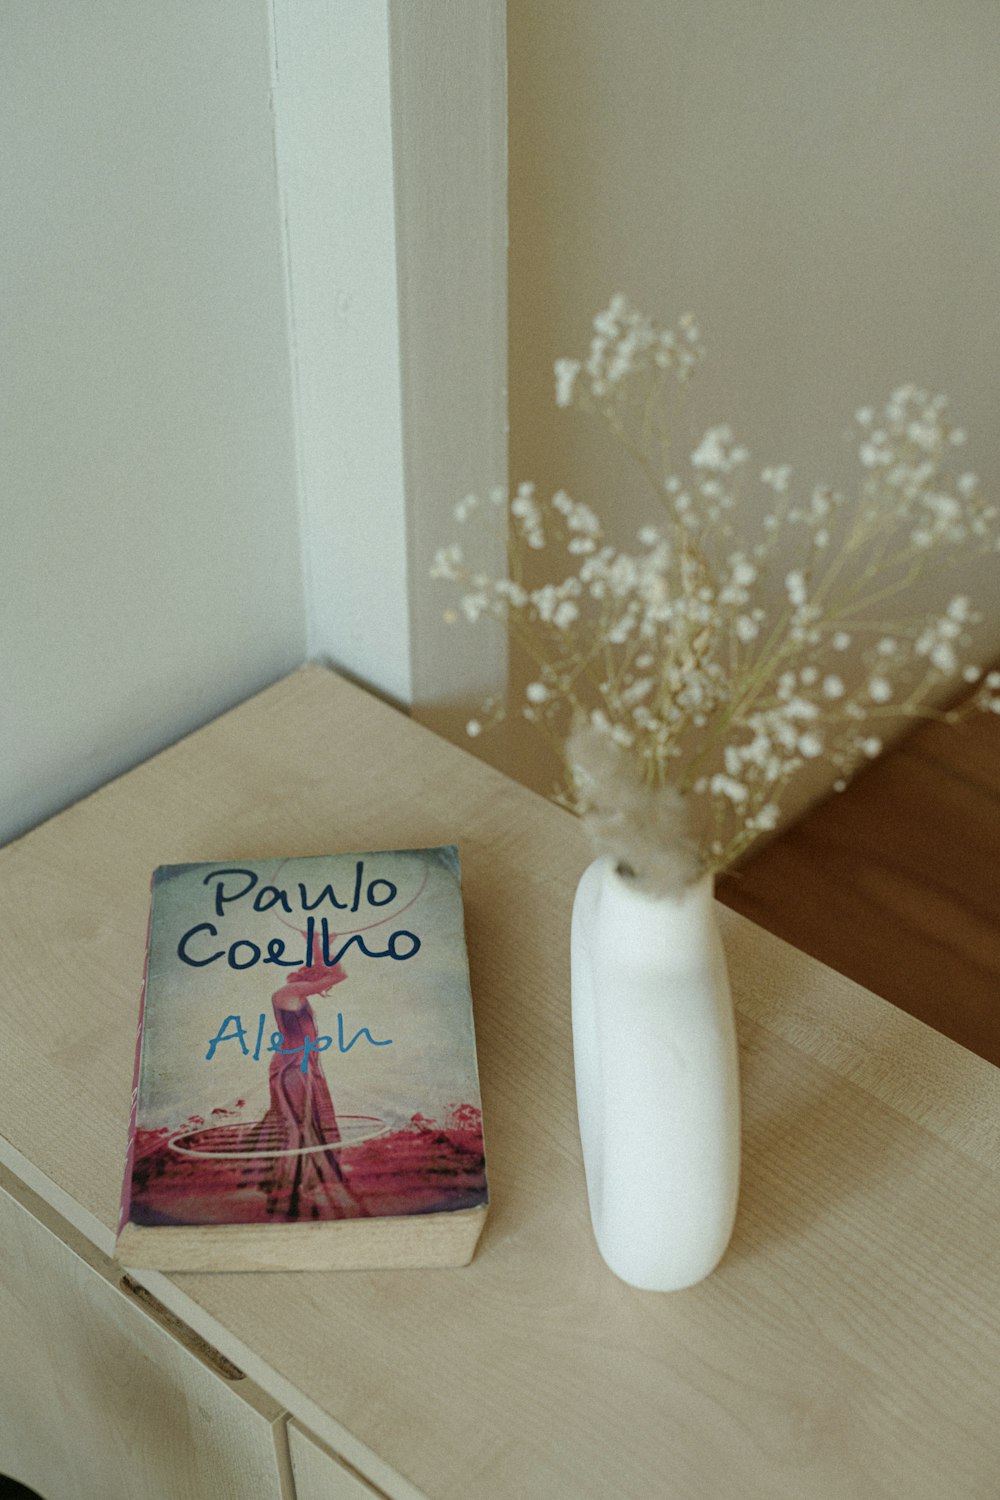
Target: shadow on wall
<point>11,1490</point>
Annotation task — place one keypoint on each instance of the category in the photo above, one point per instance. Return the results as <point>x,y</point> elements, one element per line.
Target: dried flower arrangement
<point>682,705</point>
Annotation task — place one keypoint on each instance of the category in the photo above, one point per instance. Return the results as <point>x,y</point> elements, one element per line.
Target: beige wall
<point>150,557</point>
<point>820,184</point>
<point>244,244</point>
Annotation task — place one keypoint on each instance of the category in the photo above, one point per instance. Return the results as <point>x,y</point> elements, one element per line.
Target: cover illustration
<point>306,1048</point>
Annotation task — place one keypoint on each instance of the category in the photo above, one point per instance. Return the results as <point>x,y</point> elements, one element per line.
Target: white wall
<point>150,548</point>
<point>391,129</point>
<point>819,183</point>
<point>254,276</point>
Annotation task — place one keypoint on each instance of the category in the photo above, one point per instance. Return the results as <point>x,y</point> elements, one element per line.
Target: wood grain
<point>848,1348</point>
<point>98,1400</point>
<point>895,881</point>
<point>319,1475</point>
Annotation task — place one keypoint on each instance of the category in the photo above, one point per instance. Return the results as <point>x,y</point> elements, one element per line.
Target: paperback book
<point>306,1092</point>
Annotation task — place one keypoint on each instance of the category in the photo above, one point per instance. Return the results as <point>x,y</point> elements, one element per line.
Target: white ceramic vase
<point>657,1078</point>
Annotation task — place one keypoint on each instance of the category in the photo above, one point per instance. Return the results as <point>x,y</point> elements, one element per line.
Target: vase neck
<point>677,930</point>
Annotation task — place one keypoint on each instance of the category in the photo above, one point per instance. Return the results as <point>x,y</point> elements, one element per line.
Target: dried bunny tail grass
<point>644,829</point>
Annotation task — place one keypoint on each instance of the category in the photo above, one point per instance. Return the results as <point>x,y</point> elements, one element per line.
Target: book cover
<point>306,1092</point>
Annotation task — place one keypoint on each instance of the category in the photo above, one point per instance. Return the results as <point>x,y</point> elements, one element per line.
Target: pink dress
<point>303,1180</point>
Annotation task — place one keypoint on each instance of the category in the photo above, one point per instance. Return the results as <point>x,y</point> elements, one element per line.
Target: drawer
<point>103,1394</point>
<point>319,1475</point>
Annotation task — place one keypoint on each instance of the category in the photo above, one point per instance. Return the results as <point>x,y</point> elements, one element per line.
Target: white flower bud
<point>795,585</point>
<point>566,371</point>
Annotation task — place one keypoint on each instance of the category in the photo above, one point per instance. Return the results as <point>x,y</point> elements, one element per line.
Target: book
<point>306,1091</point>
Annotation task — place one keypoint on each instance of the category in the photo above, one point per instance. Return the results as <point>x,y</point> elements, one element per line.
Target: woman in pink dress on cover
<point>305,1182</point>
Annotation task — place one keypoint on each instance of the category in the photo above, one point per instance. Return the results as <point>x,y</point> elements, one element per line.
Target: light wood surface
<point>848,1348</point>
<point>100,1401</point>
<point>319,1475</point>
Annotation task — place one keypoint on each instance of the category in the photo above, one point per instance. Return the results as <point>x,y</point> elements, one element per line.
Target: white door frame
<point>390,120</point>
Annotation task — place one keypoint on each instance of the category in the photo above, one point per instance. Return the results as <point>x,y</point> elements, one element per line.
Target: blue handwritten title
<point>233,1030</point>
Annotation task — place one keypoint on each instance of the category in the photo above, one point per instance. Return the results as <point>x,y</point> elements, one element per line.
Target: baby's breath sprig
<point>676,651</point>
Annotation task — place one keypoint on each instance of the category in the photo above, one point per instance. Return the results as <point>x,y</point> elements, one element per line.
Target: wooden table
<point>848,1346</point>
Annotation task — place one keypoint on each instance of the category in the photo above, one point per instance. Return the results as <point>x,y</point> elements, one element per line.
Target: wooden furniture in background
<point>847,1346</point>
<point>896,881</point>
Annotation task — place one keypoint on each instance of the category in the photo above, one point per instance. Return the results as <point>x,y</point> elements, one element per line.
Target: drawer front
<point>99,1399</point>
<point>321,1476</point>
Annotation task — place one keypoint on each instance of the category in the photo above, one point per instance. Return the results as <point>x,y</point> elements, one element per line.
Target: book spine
<point>126,1197</point>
